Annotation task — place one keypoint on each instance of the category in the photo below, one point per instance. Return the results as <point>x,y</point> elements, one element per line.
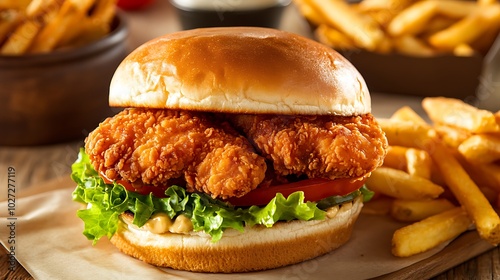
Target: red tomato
<point>158,191</point>
<point>314,190</point>
<point>133,4</point>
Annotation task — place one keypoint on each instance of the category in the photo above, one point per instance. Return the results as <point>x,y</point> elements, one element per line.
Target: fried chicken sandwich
<point>238,149</point>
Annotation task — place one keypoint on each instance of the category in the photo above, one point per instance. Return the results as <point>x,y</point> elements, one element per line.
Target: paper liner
<point>49,243</point>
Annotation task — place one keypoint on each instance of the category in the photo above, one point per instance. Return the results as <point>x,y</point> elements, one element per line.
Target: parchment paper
<point>50,245</point>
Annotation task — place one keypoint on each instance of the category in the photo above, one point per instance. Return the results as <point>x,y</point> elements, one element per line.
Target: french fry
<point>467,193</point>
<point>396,157</point>
<point>399,184</point>
<point>412,46</point>
<point>413,19</point>
<point>468,29</point>
<point>406,113</point>
<point>45,25</point>
<point>95,26</point>
<point>456,113</point>
<point>407,134</point>
<point>416,210</point>
<point>486,175</point>
<point>486,2</point>
<point>481,148</point>
<point>14,4</point>
<point>464,50</point>
<point>309,12</point>
<point>418,163</point>
<point>9,19</point>
<point>430,232</point>
<point>366,33</point>
<point>21,38</point>
<point>452,136</point>
<point>383,11</point>
<point>72,12</point>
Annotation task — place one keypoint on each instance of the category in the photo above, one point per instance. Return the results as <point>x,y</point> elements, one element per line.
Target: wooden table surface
<point>38,164</point>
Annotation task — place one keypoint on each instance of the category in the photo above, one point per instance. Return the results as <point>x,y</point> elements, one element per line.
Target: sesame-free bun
<point>257,248</point>
<point>239,70</point>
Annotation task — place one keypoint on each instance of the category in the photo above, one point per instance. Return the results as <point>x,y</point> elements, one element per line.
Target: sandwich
<point>236,149</point>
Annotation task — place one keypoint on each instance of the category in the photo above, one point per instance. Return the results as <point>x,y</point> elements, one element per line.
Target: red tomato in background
<point>133,4</point>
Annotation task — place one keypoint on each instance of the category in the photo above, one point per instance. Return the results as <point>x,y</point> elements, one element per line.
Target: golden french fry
<point>406,113</point>
<point>486,175</point>
<point>21,38</point>
<point>378,206</point>
<point>365,32</point>
<point>481,148</point>
<point>93,27</point>
<point>309,12</point>
<point>399,184</point>
<point>14,4</point>
<point>486,2</point>
<point>38,7</point>
<point>383,11</point>
<point>333,38</point>
<point>468,29</point>
<point>71,14</point>
<point>406,133</point>
<point>467,193</point>
<point>430,232</point>
<point>396,157</point>
<point>9,19</point>
<point>497,117</point>
<point>464,50</point>
<point>452,136</point>
<point>416,210</point>
<point>418,163</point>
<point>436,24</point>
<point>413,19</point>
<point>456,113</point>
<point>412,46</point>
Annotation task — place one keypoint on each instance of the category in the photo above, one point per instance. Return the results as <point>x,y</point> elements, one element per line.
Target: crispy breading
<point>317,146</point>
<point>152,146</point>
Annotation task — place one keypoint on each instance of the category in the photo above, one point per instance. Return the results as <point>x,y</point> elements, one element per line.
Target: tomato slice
<point>158,191</point>
<point>314,190</point>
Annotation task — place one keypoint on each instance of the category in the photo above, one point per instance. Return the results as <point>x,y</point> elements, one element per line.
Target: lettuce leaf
<point>105,203</point>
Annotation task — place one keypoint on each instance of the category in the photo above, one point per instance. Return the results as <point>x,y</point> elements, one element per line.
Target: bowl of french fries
<point>441,176</point>
<point>427,48</point>
<point>56,62</point>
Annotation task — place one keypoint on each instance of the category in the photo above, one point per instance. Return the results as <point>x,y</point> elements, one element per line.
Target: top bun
<point>249,70</point>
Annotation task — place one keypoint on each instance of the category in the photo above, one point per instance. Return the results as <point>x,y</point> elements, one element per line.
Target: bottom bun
<point>257,248</point>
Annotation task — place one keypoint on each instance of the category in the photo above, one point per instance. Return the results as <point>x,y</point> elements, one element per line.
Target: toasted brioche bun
<point>239,70</point>
<point>257,248</point>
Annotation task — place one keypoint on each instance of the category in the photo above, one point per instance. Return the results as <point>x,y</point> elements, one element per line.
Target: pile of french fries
<point>39,26</point>
<point>410,27</point>
<point>441,177</point>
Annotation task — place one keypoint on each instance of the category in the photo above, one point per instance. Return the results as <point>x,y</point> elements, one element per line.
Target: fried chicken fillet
<point>317,146</point>
<point>154,146</point>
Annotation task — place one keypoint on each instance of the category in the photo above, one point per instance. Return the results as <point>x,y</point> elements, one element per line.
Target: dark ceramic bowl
<point>220,15</point>
<point>58,96</point>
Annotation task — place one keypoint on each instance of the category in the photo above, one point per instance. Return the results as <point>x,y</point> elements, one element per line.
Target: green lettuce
<point>105,202</point>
